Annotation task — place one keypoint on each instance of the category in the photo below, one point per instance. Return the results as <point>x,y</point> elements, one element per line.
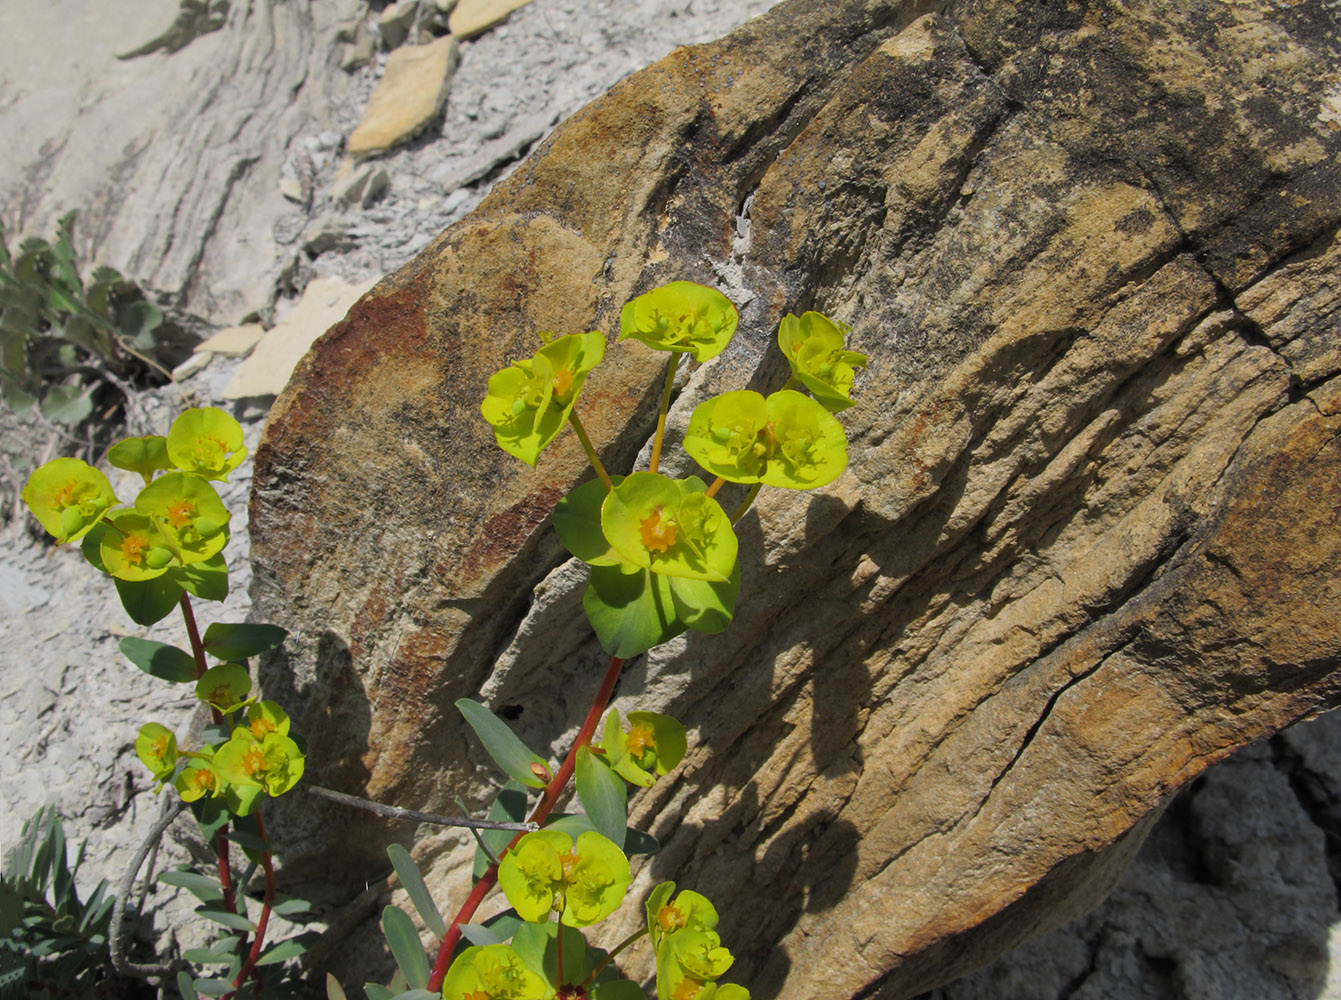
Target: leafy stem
<point>541,812</point>
<point>268,864</point>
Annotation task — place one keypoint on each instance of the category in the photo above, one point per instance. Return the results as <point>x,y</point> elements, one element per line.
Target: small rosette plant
<point>815,347</point>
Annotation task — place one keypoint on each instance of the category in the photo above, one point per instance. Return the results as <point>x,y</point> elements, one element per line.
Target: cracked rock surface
<point>1087,543</point>
<point>1087,547</point>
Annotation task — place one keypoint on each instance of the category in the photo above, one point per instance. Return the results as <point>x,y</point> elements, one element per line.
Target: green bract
<point>633,608</point>
<point>132,548</point>
<point>787,440</point>
<point>156,746</point>
<point>188,513</point>
<point>681,316</point>
<point>492,972</point>
<point>206,442</point>
<point>225,687</point>
<point>145,455</point>
<point>814,347</point>
<point>653,743</point>
<point>198,778</point>
<point>546,871</point>
<point>529,403</point>
<point>670,527</point>
<point>68,496</point>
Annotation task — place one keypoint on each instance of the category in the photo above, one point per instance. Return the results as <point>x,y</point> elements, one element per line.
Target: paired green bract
<point>583,881</point>
<point>786,439</point>
<point>529,403</point>
<point>682,316</point>
<point>814,346</point>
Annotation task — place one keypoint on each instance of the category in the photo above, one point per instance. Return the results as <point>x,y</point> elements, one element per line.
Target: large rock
<point>1088,544</point>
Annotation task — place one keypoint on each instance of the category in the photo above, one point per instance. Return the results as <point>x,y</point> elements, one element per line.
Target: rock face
<point>1088,542</point>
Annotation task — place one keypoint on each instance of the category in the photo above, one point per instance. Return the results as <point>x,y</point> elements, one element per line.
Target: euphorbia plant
<point>663,558</point>
<point>162,550</point>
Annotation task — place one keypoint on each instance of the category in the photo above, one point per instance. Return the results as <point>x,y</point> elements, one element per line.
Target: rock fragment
<point>474,17</point>
<point>266,371</point>
<point>409,97</point>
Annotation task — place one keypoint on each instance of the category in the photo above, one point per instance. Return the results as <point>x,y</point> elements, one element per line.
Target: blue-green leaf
<point>604,796</point>
<point>403,940</point>
<point>502,744</point>
<point>239,641</point>
<point>158,659</point>
<point>509,807</point>
<point>203,887</point>
<point>413,882</point>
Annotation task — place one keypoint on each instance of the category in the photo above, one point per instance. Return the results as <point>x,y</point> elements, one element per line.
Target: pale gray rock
<point>174,160</point>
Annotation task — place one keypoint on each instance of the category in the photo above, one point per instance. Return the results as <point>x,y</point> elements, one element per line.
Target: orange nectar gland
<point>64,496</point>
<point>563,382</point>
<point>133,547</point>
<point>180,512</point>
<point>657,535</point>
<point>687,990</point>
<point>260,725</point>
<point>253,761</point>
<point>639,738</point>
<point>477,995</point>
<point>201,779</point>
<point>569,863</point>
<point>669,918</point>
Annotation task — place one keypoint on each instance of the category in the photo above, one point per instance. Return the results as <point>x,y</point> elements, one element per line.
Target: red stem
<point>541,812</point>
<point>264,919</point>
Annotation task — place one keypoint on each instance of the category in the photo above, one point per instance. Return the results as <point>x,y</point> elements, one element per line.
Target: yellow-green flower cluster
<point>176,521</point>
<point>815,347</point>
<point>786,439</point>
<point>259,758</point>
<point>652,746</point>
<point>690,955</point>
<point>529,403</point>
<point>583,881</point>
<point>682,316</point>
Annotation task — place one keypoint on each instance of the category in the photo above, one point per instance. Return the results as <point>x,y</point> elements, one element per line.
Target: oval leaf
<point>604,796</point>
<point>158,659</point>
<point>413,882</point>
<point>242,640</point>
<point>403,940</point>
<point>502,744</point>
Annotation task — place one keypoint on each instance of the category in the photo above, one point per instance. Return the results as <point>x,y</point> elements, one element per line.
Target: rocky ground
<point>1235,894</point>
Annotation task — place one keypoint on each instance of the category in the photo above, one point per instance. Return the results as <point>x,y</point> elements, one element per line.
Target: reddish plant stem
<point>193,633</point>
<point>268,864</point>
<point>226,880</point>
<point>538,815</point>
